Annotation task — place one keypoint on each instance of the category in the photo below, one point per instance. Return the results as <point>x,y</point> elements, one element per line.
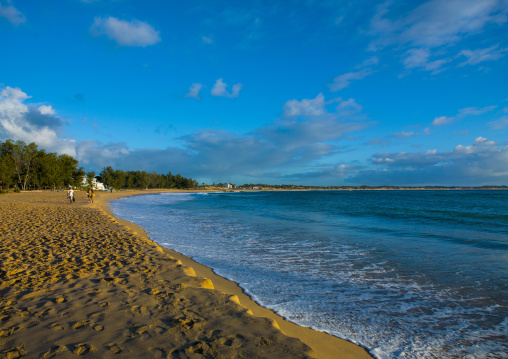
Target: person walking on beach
<point>91,195</point>
<point>70,194</point>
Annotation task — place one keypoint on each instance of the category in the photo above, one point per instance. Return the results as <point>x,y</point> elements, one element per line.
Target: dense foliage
<point>141,179</point>
<point>24,166</point>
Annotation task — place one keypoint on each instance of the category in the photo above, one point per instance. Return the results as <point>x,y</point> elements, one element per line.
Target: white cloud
<point>436,22</point>
<point>27,123</point>
<point>370,62</point>
<point>364,69</point>
<point>316,107</point>
<point>500,124</point>
<point>442,120</point>
<point>419,58</point>
<point>125,33</point>
<point>431,28</point>
<point>465,112</point>
<point>220,89</point>
<point>12,14</point>
<point>382,160</point>
<point>194,91</point>
<point>482,141</point>
<point>327,172</point>
<point>207,40</point>
<point>405,135</point>
<point>481,55</point>
<point>305,107</point>
<point>308,124</point>
<point>475,111</point>
<point>46,110</point>
<point>464,149</point>
<point>343,81</point>
<point>464,165</point>
<point>348,107</point>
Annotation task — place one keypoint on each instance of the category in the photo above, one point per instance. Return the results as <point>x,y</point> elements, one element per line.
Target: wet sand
<point>74,280</point>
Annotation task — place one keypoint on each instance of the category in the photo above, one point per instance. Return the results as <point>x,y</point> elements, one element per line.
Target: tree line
<point>141,179</point>
<point>26,167</point>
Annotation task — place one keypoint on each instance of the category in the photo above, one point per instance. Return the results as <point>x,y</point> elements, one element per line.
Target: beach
<point>74,280</point>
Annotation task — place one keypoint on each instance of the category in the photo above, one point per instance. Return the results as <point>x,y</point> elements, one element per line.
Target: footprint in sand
<point>16,352</point>
<point>45,313</point>
<point>114,348</point>
<point>94,292</point>
<point>97,317</point>
<point>82,349</point>
<point>232,341</point>
<point>142,329</point>
<point>139,310</point>
<point>98,328</point>
<point>51,353</point>
<point>57,327</point>
<point>8,332</point>
<point>158,353</point>
<point>81,324</point>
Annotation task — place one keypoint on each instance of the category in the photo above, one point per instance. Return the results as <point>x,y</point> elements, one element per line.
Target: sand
<point>75,281</point>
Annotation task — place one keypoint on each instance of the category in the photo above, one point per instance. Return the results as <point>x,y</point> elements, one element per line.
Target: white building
<point>95,184</point>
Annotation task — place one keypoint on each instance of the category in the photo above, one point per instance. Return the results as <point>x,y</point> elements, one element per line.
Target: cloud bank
<point>484,162</point>
<point>308,132</point>
<point>305,145</point>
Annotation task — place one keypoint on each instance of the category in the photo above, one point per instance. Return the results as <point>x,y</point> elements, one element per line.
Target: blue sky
<point>304,92</point>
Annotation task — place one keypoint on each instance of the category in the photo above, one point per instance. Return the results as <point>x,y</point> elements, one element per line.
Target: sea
<point>405,274</point>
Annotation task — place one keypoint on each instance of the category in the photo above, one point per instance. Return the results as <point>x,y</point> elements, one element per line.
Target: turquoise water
<point>406,274</point>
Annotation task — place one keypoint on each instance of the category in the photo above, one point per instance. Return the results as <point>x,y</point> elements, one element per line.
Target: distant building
<point>95,184</point>
<point>227,185</point>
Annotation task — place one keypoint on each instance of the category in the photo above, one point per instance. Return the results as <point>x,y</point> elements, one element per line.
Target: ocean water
<point>405,274</point>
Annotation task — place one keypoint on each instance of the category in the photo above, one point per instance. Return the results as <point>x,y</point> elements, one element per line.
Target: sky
<point>329,93</point>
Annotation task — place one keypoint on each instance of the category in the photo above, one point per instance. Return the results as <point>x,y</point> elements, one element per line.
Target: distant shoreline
<point>381,188</point>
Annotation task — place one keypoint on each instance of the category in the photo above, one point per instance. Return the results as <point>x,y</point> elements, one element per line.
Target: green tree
<point>7,177</point>
<point>107,175</point>
<point>89,178</point>
<point>72,175</point>
<point>46,170</point>
<point>22,156</point>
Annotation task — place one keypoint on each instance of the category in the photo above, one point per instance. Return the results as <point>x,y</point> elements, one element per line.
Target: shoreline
<point>76,280</point>
<point>324,344</point>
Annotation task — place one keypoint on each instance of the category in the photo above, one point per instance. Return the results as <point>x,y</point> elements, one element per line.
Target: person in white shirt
<point>70,194</point>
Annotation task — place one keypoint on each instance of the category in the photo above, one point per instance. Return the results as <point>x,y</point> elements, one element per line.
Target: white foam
<point>350,292</point>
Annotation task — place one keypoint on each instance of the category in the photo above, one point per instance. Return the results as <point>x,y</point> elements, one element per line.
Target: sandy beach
<point>74,280</point>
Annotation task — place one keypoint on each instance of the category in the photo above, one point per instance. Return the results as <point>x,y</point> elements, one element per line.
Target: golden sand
<point>76,281</point>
